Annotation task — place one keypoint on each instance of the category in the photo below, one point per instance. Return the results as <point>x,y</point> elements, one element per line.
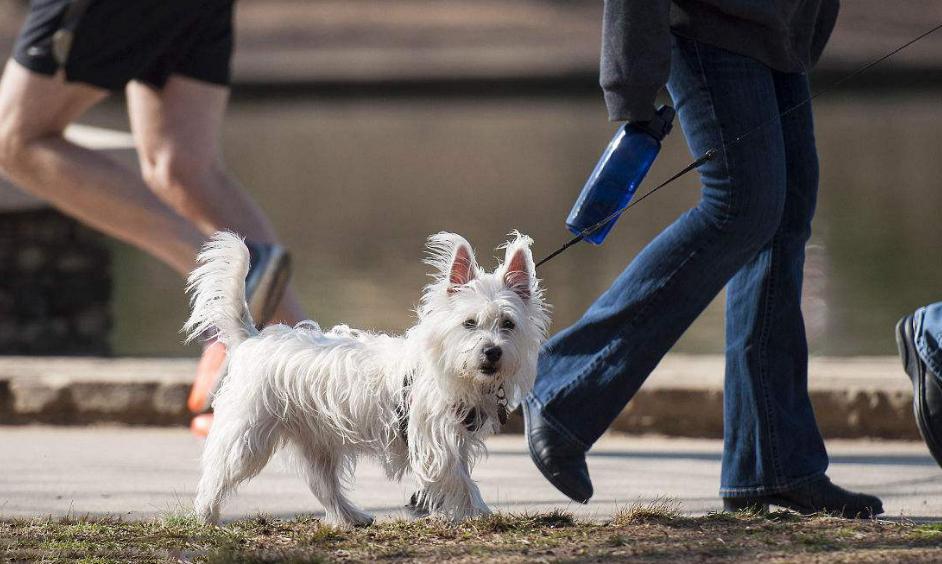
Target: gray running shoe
<point>269,271</point>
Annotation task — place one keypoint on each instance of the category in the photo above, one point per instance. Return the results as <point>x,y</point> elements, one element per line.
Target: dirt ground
<point>653,532</point>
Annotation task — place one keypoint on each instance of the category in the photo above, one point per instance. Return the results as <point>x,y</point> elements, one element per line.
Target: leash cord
<point>710,154</point>
<point>592,228</point>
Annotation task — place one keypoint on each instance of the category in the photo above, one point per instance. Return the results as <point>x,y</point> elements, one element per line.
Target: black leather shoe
<point>927,392</point>
<point>562,464</point>
<point>819,496</point>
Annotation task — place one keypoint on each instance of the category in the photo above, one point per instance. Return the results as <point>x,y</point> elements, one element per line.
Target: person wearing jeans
<point>748,233</point>
<point>919,338</point>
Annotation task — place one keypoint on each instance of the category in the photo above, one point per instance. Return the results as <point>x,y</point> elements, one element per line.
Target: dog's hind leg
<point>235,451</point>
<point>325,471</point>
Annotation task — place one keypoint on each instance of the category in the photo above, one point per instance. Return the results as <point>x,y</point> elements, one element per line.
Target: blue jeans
<point>748,232</point>
<point>928,328</point>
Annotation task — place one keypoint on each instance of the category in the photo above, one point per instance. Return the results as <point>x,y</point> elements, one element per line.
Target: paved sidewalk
<point>139,473</point>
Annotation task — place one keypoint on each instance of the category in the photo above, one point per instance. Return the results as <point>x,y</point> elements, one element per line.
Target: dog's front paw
<point>465,513</point>
<point>350,519</point>
<point>418,506</point>
<point>206,513</point>
<point>480,510</point>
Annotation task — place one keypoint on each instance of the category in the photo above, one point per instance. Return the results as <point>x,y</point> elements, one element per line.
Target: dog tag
<point>502,415</point>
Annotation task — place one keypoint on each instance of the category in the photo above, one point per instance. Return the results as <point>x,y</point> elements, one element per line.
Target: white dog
<point>424,401</point>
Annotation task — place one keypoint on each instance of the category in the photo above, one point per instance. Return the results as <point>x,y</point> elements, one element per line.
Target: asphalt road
<point>140,473</point>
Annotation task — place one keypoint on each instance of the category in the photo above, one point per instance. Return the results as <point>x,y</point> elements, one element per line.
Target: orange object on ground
<point>207,372</point>
<point>200,424</point>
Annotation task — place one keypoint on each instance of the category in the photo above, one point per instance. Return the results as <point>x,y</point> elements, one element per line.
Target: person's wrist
<point>659,126</point>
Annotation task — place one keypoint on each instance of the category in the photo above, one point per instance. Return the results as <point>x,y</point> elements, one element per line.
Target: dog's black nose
<point>493,354</point>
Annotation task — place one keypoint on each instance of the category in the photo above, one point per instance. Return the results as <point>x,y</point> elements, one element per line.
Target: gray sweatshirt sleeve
<point>636,56</point>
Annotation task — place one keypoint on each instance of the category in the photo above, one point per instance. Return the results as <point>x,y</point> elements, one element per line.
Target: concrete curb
<point>76,391</point>
<point>853,397</point>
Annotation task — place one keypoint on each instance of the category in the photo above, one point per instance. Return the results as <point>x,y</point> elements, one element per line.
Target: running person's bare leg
<point>176,130</point>
<point>34,112</point>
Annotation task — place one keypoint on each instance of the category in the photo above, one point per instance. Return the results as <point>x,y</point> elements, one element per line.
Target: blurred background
<point>363,126</point>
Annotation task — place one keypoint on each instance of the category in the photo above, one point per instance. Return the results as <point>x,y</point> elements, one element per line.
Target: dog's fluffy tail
<point>217,292</point>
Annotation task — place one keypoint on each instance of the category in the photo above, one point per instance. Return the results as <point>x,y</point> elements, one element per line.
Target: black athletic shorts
<point>108,43</point>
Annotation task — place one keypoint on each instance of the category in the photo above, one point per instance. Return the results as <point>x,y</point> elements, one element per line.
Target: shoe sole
<point>761,505</point>
<point>539,465</point>
<point>271,288</point>
<point>905,337</point>
<point>201,425</point>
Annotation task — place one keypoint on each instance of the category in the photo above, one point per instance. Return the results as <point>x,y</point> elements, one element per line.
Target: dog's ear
<point>519,271</point>
<point>462,268</point>
<point>452,256</point>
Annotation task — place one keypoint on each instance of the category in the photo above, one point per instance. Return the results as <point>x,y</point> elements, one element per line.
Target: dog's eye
<point>470,323</point>
<point>507,325</point>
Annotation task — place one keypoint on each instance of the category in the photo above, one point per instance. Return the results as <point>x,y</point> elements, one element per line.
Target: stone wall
<point>55,286</point>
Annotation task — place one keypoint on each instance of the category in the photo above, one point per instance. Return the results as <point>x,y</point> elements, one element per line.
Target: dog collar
<point>471,421</point>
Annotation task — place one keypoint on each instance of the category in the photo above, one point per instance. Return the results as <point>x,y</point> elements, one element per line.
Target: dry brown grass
<point>644,532</point>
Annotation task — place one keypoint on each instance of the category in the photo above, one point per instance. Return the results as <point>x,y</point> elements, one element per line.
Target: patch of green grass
<point>815,541</point>
<point>929,531</point>
<point>320,533</point>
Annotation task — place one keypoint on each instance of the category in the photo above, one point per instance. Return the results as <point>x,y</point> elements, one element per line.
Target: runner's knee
<point>177,177</point>
<point>15,144</point>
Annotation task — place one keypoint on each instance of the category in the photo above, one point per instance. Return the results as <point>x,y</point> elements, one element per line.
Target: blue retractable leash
<point>629,155</point>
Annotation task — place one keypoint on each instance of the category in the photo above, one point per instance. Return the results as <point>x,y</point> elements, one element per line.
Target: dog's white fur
<point>331,397</point>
